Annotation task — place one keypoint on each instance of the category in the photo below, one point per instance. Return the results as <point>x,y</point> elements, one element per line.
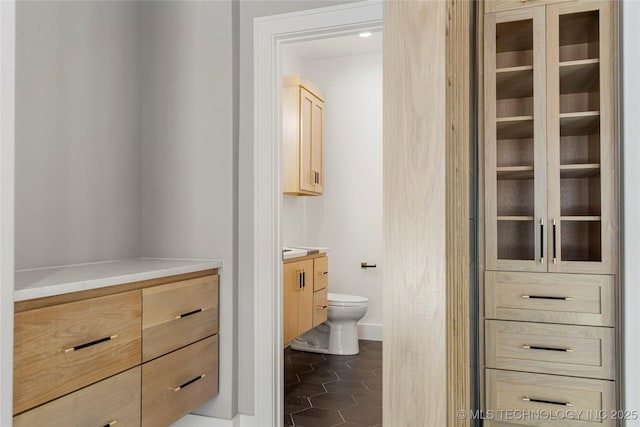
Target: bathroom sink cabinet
<point>302,138</point>
<point>305,295</point>
<point>551,208</point>
<point>116,355</point>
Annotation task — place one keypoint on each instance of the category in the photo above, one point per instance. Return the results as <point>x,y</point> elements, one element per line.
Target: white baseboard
<point>370,331</point>
<point>191,420</point>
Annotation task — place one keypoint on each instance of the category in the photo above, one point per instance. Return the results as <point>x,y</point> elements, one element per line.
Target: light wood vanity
<point>551,211</point>
<point>305,294</point>
<point>143,353</point>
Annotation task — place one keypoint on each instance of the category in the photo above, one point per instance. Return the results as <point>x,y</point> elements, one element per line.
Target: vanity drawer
<point>320,306</point>
<point>114,401</point>
<point>584,399</point>
<point>585,351</point>
<point>320,273</point>
<point>62,348</point>
<point>177,314</point>
<point>578,299</point>
<point>178,382</point>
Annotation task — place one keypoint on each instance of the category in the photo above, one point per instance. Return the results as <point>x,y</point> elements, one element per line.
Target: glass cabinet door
<point>581,137</point>
<point>515,143</point>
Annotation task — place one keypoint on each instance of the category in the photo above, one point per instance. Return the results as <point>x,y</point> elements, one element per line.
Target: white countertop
<point>45,282</point>
<point>300,251</point>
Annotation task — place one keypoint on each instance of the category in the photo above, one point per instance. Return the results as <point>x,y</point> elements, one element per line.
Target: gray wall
<point>187,152</point>
<point>250,9</point>
<point>77,132</point>
<point>125,142</point>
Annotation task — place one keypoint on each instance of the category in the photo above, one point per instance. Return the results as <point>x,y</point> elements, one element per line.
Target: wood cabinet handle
<point>189,313</point>
<point>548,402</point>
<point>548,297</point>
<point>535,347</point>
<point>89,344</point>
<point>188,383</point>
<point>111,423</point>
<point>322,307</point>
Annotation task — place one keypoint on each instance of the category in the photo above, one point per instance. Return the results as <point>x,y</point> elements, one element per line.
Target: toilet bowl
<point>339,334</point>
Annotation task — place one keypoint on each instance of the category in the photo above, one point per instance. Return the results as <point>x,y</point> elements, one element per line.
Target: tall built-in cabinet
<point>550,209</point>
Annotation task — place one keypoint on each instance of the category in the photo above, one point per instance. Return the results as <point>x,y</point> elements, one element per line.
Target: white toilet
<point>339,334</point>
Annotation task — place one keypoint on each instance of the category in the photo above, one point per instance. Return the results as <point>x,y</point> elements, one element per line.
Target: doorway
<point>345,215</point>
<point>270,34</point>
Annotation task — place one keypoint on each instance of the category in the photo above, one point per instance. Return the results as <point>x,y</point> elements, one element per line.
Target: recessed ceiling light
<point>365,34</point>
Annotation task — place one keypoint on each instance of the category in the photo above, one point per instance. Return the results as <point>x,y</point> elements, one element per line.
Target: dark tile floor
<point>322,390</point>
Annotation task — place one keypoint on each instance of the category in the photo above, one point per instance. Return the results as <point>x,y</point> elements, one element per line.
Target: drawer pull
<point>89,344</point>
<point>324,273</point>
<point>549,402</point>
<point>111,423</point>
<point>548,297</point>
<point>189,313</point>
<point>533,347</point>
<point>188,383</point>
<point>322,307</point>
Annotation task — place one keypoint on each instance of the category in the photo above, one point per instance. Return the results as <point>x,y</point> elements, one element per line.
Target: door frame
<point>269,34</point>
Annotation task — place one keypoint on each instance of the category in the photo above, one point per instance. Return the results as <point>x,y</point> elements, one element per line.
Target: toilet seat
<point>345,300</point>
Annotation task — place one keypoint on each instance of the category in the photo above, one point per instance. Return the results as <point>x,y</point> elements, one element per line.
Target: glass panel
<point>580,179</point>
<point>515,143</point>
<point>517,240</point>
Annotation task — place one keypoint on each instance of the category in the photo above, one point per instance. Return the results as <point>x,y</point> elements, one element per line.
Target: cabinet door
<point>305,298</point>
<point>311,118</point>
<point>515,127</point>
<point>581,137</point>
<point>292,287</point>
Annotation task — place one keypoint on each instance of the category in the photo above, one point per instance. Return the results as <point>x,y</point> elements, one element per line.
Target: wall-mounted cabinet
<point>302,138</point>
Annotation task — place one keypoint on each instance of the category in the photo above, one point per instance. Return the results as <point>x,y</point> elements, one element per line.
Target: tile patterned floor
<point>327,390</point>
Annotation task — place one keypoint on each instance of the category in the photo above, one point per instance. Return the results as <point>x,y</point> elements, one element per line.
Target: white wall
<point>77,132</point>
<point>187,153</point>
<point>7,121</point>
<point>631,227</point>
<point>348,216</point>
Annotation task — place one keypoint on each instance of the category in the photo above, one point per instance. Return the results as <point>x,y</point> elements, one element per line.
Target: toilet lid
<point>345,300</point>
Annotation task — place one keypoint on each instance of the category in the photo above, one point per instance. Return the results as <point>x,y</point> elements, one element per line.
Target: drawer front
<point>175,384</point>
<point>177,314</point>
<point>500,5</point>
<point>320,306</point>
<point>320,273</point>
<point>114,401</point>
<point>578,401</point>
<point>62,348</point>
<point>578,299</point>
<point>585,351</point>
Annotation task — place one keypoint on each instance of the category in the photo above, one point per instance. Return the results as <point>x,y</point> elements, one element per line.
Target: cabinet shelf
<point>514,127</point>
<point>515,172</point>
<point>585,170</point>
<point>589,218</point>
<point>514,82</point>
<point>578,76</point>
<point>515,218</point>
<point>579,123</point>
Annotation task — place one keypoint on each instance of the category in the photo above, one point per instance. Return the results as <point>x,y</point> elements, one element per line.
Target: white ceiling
<point>335,46</point>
